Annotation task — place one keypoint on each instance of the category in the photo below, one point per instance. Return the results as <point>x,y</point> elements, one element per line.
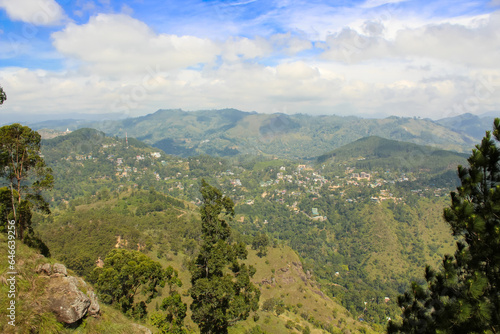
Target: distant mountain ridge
<point>229,132</point>
<point>469,124</point>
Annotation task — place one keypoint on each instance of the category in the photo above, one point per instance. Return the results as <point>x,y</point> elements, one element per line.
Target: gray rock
<point>44,269</point>
<point>58,268</point>
<point>66,301</point>
<point>94,308</point>
<point>144,330</point>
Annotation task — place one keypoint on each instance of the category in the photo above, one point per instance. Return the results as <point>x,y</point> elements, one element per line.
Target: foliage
<point>32,299</point>
<point>274,305</point>
<point>464,296</point>
<point>260,242</point>
<point>22,166</point>
<point>123,275</point>
<point>172,321</point>
<point>3,96</point>
<point>374,247</point>
<point>221,297</point>
<point>255,330</point>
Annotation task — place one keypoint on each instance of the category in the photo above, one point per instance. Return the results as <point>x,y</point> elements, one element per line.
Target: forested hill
<point>379,152</point>
<point>110,193</point>
<point>361,229</point>
<point>231,132</point>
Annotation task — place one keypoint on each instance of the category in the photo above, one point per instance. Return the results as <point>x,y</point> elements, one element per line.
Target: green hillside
<point>377,152</point>
<point>171,235</point>
<point>33,301</point>
<point>362,225</point>
<point>229,132</point>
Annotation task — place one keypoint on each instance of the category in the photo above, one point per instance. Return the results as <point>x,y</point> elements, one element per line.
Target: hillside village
<point>281,181</point>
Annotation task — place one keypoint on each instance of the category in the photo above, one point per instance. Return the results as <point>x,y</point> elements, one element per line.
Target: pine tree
<point>221,288</point>
<point>464,296</point>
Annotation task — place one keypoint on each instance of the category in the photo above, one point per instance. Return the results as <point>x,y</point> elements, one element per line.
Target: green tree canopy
<point>464,296</point>
<point>260,243</point>
<point>172,320</point>
<point>221,288</point>
<point>24,169</point>
<point>123,275</point>
<point>3,96</point>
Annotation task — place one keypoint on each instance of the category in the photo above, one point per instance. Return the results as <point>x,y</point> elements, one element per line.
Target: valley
<point>362,225</point>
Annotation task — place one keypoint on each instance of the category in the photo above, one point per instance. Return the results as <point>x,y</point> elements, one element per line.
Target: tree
<point>221,289</point>
<point>464,296</point>
<point>260,242</point>
<point>22,165</point>
<point>123,275</point>
<point>172,321</point>
<point>3,96</point>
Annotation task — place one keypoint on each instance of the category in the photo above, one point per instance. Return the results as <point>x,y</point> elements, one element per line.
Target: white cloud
<point>391,65</point>
<point>325,87</point>
<point>296,71</point>
<point>289,44</point>
<point>36,12</point>
<point>244,48</point>
<point>118,44</point>
<point>377,3</point>
<point>475,45</point>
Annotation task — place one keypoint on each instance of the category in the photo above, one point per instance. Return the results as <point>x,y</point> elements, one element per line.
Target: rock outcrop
<point>70,298</point>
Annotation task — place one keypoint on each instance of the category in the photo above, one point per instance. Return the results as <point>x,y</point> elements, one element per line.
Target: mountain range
<point>230,132</point>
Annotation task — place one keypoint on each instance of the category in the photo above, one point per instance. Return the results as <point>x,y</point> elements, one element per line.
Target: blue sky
<point>369,58</point>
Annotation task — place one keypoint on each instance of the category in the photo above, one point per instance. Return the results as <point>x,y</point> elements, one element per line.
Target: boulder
<point>58,268</point>
<point>142,329</point>
<point>44,269</point>
<point>66,301</point>
<point>70,298</point>
<point>94,308</point>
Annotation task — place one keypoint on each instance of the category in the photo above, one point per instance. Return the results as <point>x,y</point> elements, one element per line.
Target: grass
<point>269,163</point>
<point>32,300</point>
<point>300,293</point>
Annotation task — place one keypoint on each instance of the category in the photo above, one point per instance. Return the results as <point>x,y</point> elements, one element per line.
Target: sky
<point>370,58</point>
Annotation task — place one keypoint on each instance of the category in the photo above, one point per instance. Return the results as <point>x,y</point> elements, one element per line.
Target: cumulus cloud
<point>117,43</point>
<point>296,71</point>
<point>36,12</point>
<point>377,66</point>
<point>467,45</point>
<point>290,45</point>
<point>291,86</point>
<point>236,48</point>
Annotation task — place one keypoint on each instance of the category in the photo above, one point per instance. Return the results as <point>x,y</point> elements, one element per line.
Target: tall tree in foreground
<point>25,173</point>
<point>221,289</point>
<point>464,296</point>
